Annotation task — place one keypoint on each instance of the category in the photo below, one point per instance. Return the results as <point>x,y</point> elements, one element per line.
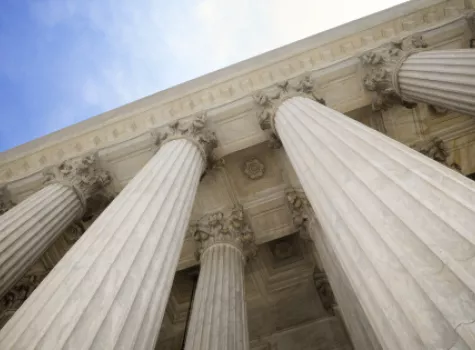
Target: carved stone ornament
<point>17,295</point>
<point>218,228</point>
<point>299,208</point>
<point>194,130</point>
<point>74,232</point>
<point>83,174</point>
<point>436,150</point>
<point>5,201</point>
<point>268,103</point>
<point>324,290</point>
<point>470,16</point>
<point>382,66</point>
<point>254,169</point>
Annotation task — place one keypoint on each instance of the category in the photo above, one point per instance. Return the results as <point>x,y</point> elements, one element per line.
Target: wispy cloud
<point>96,55</point>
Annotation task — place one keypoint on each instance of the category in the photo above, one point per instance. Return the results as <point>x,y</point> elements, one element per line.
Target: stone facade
<point>313,230</point>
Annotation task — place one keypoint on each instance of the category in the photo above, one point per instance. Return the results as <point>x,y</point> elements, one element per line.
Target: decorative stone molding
<point>324,290</point>
<point>382,66</point>
<point>254,169</point>
<point>17,295</point>
<point>299,207</point>
<point>136,118</point>
<point>84,175</point>
<point>74,232</point>
<point>436,149</point>
<point>5,202</point>
<point>218,228</point>
<point>195,131</point>
<point>269,102</point>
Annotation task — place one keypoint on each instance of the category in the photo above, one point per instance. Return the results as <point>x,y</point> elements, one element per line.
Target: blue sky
<point>63,61</point>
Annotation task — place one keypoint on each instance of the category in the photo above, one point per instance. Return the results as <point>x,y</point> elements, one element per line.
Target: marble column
<point>29,228</point>
<point>110,290</point>
<point>218,318</point>
<point>401,224</point>
<point>444,79</point>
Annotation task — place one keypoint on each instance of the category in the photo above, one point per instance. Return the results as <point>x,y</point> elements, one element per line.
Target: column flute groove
<point>218,318</point>
<point>30,227</point>
<point>414,232</point>
<point>399,223</point>
<point>441,78</point>
<point>433,285</point>
<point>111,288</point>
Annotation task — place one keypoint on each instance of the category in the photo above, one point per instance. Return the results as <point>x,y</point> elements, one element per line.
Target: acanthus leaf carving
<point>382,65</point>
<point>436,149</point>
<point>195,131</point>
<point>83,174</point>
<point>324,290</point>
<point>17,295</point>
<point>300,209</point>
<point>216,228</point>
<point>269,102</point>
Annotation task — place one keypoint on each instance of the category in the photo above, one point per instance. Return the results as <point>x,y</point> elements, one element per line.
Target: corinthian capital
<point>220,228</point>
<point>437,150</point>
<point>195,131</point>
<point>269,102</point>
<point>5,201</point>
<point>382,66</point>
<point>83,174</point>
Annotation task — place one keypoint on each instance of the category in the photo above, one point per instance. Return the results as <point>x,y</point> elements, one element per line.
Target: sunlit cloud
<point>102,54</point>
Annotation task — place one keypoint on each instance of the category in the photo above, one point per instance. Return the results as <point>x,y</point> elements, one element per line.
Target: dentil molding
<point>227,86</point>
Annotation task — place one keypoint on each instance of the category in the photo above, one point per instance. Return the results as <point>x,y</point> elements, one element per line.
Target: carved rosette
<point>436,150</point>
<point>268,103</point>
<point>324,290</point>
<point>382,66</point>
<point>5,201</point>
<point>299,207</point>
<point>254,169</point>
<point>195,131</point>
<point>74,232</point>
<point>218,228</point>
<point>84,175</point>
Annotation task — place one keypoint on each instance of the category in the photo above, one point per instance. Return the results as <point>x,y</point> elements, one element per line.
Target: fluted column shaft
<point>441,78</point>
<point>401,225</point>
<point>110,290</point>
<point>218,319</point>
<point>29,228</point>
<point>361,333</point>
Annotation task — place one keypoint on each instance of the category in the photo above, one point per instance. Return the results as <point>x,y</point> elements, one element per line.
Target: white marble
<point>218,319</point>
<point>360,331</point>
<point>111,288</point>
<point>30,227</point>
<point>443,78</point>
<point>401,225</point>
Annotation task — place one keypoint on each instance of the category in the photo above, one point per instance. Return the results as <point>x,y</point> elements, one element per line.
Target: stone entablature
<point>331,56</point>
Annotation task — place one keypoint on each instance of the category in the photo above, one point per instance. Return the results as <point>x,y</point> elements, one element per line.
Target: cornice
<point>226,86</point>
